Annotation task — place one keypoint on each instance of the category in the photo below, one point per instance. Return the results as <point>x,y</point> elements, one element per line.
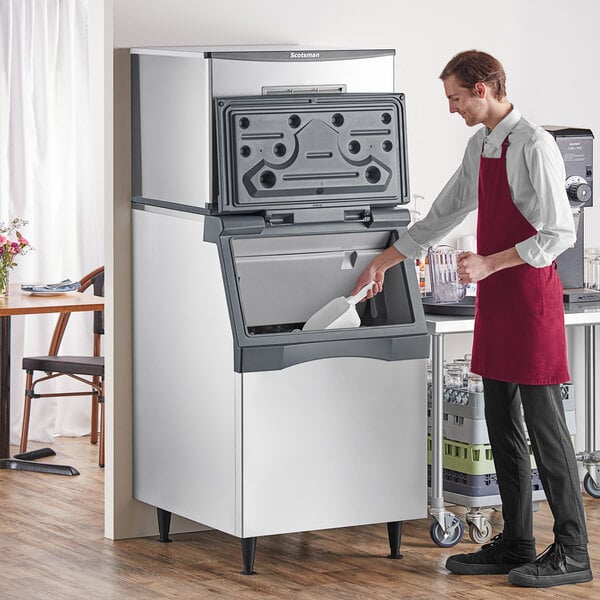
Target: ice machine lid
<point>310,151</point>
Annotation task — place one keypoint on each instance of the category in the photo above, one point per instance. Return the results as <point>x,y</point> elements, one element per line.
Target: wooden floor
<point>52,547</point>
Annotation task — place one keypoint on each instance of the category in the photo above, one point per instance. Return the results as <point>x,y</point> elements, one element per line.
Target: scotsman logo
<point>304,54</point>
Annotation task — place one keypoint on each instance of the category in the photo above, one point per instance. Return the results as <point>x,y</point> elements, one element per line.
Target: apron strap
<point>505,145</point>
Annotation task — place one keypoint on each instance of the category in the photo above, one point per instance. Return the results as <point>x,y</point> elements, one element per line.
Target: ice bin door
<point>283,281</point>
<point>276,279</point>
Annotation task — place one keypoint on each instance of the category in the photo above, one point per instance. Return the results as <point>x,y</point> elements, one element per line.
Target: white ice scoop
<point>339,313</point>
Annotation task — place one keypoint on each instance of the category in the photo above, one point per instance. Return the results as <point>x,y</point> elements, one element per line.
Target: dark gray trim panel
<point>136,130</point>
<point>274,358</point>
<point>300,55</point>
<point>139,203</point>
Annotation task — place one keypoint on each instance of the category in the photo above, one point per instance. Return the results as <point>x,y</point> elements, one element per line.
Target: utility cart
<point>447,529</point>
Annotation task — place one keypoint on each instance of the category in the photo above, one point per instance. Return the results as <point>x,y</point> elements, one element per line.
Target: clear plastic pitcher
<point>445,284</point>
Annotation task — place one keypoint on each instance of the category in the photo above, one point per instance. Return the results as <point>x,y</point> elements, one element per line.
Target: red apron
<point>519,332</point>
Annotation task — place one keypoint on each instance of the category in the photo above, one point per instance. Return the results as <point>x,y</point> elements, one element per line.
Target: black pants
<point>554,455</point>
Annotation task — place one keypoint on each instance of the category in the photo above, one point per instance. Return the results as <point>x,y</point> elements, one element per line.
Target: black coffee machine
<point>576,147</point>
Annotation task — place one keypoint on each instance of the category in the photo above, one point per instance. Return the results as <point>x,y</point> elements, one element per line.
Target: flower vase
<point>4,271</point>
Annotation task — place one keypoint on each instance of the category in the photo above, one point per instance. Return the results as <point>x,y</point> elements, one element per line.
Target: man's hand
<point>376,269</point>
<point>474,267</point>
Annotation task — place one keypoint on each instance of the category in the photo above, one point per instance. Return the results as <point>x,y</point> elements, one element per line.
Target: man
<point>513,173</point>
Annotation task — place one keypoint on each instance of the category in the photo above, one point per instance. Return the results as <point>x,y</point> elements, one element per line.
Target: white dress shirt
<point>536,177</point>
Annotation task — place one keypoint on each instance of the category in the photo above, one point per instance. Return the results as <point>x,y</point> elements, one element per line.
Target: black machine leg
<point>248,552</point>
<point>395,538</point>
<point>164,523</point>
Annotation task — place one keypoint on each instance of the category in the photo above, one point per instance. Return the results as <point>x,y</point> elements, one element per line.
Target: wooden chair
<point>88,370</point>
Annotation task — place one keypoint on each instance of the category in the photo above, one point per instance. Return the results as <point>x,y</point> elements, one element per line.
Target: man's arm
<point>376,269</point>
<point>552,215</point>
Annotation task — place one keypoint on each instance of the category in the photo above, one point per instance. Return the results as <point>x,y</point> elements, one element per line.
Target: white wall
<point>549,49</point>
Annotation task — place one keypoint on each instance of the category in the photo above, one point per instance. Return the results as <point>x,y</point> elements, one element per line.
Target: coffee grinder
<point>576,148</point>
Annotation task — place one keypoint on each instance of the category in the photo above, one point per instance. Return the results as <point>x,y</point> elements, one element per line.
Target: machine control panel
<point>579,190</point>
<point>576,148</point>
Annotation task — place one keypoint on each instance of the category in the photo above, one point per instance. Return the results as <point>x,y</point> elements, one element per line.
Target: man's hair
<point>472,66</point>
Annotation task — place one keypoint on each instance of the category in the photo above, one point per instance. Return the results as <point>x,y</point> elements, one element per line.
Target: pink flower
<point>10,249</point>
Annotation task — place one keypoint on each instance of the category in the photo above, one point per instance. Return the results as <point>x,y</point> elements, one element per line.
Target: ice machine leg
<point>248,552</point>
<point>164,524</point>
<point>395,538</point>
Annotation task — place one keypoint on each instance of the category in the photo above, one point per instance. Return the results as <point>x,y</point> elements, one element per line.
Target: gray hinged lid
<point>310,151</point>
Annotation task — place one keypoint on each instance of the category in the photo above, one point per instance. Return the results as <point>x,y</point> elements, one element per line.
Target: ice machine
<point>263,183</point>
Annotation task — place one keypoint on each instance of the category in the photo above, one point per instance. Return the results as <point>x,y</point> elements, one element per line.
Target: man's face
<point>472,107</point>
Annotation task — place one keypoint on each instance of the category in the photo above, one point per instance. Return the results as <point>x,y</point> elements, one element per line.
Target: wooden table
<point>23,303</point>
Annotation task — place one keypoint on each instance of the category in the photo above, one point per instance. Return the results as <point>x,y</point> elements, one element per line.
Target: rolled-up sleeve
<point>551,213</point>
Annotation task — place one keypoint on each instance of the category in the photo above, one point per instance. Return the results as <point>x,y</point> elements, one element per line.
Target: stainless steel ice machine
<point>275,177</point>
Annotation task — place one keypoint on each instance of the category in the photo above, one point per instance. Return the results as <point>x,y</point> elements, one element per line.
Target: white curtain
<point>46,178</point>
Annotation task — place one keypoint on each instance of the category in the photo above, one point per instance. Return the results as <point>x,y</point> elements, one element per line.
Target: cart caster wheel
<point>480,537</point>
<point>449,538</point>
<point>590,486</point>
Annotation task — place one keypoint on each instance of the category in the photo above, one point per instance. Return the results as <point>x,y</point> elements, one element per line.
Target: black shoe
<point>499,556</point>
<point>556,565</point>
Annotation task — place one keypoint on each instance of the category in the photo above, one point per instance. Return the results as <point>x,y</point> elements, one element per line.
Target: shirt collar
<point>497,135</point>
